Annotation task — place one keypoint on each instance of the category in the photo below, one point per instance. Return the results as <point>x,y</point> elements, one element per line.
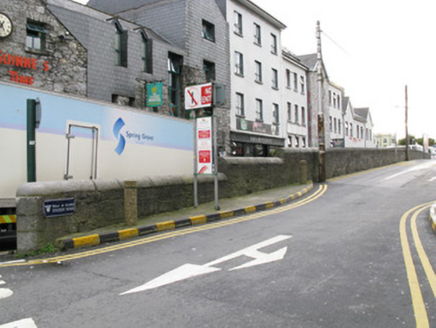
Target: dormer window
<point>120,45</point>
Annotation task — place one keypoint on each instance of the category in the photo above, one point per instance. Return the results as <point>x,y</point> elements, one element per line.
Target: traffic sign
<point>198,96</point>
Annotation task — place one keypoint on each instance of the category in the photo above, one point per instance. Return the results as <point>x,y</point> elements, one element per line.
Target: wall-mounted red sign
<point>21,62</point>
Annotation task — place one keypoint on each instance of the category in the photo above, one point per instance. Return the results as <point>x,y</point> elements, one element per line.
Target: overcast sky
<point>372,49</point>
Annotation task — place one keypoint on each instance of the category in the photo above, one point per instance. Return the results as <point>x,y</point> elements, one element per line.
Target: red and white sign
<point>204,145</point>
<point>198,96</point>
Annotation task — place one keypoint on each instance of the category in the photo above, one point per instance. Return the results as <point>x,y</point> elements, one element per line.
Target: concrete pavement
<point>204,213</point>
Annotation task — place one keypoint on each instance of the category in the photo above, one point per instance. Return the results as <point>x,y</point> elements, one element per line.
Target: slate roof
<point>309,60</point>
<point>81,20</point>
<point>362,112</point>
<point>116,6</point>
<point>345,102</point>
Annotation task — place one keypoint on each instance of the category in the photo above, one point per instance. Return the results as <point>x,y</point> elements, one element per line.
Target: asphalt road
<point>346,255</point>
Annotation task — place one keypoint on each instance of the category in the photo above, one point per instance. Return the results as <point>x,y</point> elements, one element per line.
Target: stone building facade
<point>41,52</point>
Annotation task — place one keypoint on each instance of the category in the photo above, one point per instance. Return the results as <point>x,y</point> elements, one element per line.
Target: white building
<point>294,101</point>
<point>358,126</point>
<point>334,114</point>
<point>256,120</point>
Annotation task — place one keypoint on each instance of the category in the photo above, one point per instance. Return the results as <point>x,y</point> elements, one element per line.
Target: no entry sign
<point>198,96</point>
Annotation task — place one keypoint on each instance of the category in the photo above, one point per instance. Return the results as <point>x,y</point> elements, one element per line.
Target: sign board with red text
<point>204,145</point>
<point>198,96</point>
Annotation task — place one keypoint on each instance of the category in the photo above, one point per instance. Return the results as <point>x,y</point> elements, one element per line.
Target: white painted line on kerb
<point>9,262</point>
<point>24,323</point>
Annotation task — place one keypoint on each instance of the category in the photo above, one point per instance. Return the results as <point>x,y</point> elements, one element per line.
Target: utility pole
<point>407,131</point>
<point>321,130</point>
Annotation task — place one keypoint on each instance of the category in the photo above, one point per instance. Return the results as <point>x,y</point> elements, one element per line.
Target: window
<point>120,46</point>
<point>346,129</point>
<point>339,127</point>
<point>258,71</point>
<point>330,98</point>
<point>273,44</point>
<point>335,124</point>
<point>147,54</point>
<point>330,124</point>
<point>357,131</point>
<point>208,31</point>
<point>209,71</point>
<point>257,34</point>
<point>288,78</point>
<point>295,82</point>
<point>276,118</point>
<point>259,110</point>
<point>289,112</point>
<point>238,23</point>
<point>361,132</point>
<point>239,63</point>
<point>351,129</point>
<point>289,141</point>
<point>339,102</point>
<point>275,79</point>
<point>334,100</point>
<point>302,84</point>
<point>296,114</point>
<point>303,116</point>
<point>174,69</point>
<point>240,110</point>
<point>35,36</point>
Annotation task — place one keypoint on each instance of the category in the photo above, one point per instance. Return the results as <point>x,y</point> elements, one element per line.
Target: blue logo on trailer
<point>121,140</point>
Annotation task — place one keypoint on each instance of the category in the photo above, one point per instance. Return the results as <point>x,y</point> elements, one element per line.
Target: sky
<point>372,49</point>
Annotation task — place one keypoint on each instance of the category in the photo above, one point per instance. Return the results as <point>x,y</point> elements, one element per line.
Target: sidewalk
<point>204,213</point>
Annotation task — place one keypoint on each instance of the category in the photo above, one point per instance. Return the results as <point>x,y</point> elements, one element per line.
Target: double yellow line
<point>419,308</point>
<point>176,233</point>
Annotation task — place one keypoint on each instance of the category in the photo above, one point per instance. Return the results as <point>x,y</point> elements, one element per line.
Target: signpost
<point>205,144</point>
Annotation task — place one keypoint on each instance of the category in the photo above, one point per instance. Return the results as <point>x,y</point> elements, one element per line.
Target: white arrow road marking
<point>5,292</point>
<point>267,258</point>
<point>432,179</point>
<point>187,271</point>
<point>25,323</point>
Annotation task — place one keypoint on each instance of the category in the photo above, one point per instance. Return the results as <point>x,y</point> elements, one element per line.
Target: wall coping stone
<point>46,188</point>
<point>252,160</point>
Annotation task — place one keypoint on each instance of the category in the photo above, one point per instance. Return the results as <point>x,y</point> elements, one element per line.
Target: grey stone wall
<point>100,203</point>
<point>61,66</point>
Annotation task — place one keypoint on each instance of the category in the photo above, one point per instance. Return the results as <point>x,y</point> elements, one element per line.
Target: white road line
<point>2,282</point>
<point>412,169</point>
<point>24,323</point>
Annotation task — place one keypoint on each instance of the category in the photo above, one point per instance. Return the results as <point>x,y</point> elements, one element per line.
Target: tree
<point>413,140</point>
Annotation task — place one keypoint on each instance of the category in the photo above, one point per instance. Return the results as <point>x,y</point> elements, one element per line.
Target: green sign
<point>154,94</point>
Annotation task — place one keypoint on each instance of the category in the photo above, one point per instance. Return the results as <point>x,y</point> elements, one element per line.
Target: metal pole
<point>215,157</point>
<point>407,131</point>
<point>31,151</point>
<point>195,161</point>
<point>321,124</point>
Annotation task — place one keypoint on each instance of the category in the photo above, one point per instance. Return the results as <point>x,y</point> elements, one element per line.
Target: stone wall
<point>100,203</point>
